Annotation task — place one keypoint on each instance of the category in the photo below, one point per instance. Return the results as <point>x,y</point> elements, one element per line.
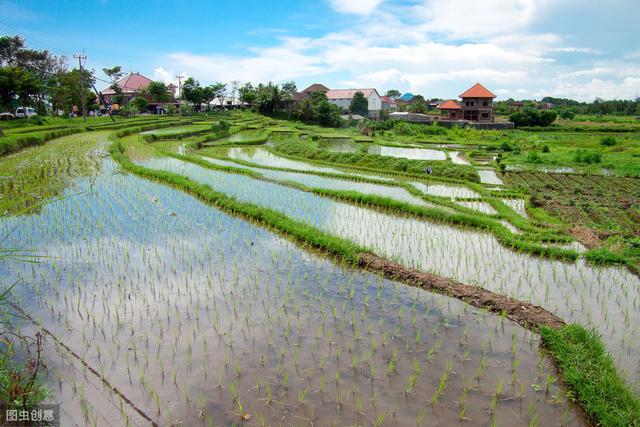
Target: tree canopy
<point>359,104</point>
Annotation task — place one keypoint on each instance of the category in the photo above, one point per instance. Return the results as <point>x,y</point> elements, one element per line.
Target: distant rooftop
<point>478,91</point>
<point>348,93</point>
<point>130,83</point>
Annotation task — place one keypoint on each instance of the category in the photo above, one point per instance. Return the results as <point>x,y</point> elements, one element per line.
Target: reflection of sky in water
<point>315,181</point>
<point>603,298</point>
<point>408,153</point>
<point>141,273</point>
<point>261,156</point>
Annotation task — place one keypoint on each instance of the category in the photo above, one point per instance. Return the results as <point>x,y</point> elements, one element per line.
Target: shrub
<point>586,156</point>
<point>222,126</point>
<point>567,115</point>
<point>545,149</point>
<point>608,141</point>
<point>533,157</point>
<point>533,117</point>
<point>505,146</point>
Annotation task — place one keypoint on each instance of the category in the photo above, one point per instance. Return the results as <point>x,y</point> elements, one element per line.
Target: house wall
<point>375,102</point>
<point>342,103</point>
<point>477,109</point>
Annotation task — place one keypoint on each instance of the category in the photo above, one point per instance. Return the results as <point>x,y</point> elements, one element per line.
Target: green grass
<point>591,376</point>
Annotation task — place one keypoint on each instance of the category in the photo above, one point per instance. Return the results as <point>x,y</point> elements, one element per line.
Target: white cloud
<point>358,7</point>
<point>473,18</point>
<point>420,49</point>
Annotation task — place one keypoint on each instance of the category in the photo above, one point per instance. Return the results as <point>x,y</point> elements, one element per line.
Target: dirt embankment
<point>525,314</point>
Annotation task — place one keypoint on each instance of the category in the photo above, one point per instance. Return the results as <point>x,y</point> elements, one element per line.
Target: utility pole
<point>81,57</point>
<point>179,93</point>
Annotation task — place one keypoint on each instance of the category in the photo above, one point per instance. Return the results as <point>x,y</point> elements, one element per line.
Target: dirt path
<point>525,314</point>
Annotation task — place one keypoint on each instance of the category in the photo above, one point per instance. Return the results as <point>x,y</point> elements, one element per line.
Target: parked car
<point>6,116</point>
<point>25,112</point>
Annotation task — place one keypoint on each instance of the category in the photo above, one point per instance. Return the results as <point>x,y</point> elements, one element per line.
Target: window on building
<point>485,104</point>
<point>485,115</point>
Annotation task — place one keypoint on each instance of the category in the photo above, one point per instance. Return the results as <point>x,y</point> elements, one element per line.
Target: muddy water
<point>603,298</point>
<point>199,317</point>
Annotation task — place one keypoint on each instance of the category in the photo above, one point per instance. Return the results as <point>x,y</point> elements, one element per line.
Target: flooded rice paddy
<point>263,157</point>
<point>605,298</point>
<point>202,318</point>
<point>315,181</point>
<point>408,153</point>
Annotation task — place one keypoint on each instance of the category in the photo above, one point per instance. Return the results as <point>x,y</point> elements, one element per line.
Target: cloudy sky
<point>523,49</point>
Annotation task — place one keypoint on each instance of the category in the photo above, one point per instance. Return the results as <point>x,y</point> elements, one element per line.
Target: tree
<point>532,117</point>
<point>247,94</point>
<point>25,73</point>
<point>289,88</point>
<point>393,94</point>
<point>359,104</point>
<point>115,74</point>
<point>218,90</point>
<point>304,111</point>
<point>327,114</point>
<point>18,84</point>
<point>65,89</point>
<point>158,92</point>
<point>193,92</point>
<point>418,104</point>
<point>141,103</point>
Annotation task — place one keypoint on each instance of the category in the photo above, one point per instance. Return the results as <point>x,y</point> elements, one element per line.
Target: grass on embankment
<point>591,376</point>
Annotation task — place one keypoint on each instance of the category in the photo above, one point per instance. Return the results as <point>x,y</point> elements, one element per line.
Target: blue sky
<point>518,48</point>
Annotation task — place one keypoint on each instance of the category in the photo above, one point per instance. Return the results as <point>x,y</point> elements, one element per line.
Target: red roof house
<point>130,85</point>
<point>452,108</point>
<point>477,104</point>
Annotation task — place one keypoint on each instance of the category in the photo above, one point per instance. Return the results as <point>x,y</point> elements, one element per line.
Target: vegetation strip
<point>590,373</point>
<point>105,381</point>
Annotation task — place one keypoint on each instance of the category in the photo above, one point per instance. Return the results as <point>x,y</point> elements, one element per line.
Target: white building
<point>342,98</point>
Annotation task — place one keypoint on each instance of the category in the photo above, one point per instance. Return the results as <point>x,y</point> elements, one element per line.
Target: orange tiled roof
<point>478,91</point>
<point>449,105</point>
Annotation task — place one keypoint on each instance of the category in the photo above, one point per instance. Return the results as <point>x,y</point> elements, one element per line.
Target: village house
<point>476,105</point>
<point>388,104</point>
<point>133,85</point>
<point>342,98</point>
<point>306,93</point>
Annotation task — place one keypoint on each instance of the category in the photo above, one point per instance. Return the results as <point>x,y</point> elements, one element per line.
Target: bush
<point>608,141</point>
<point>505,146</point>
<point>587,157</point>
<point>36,120</point>
<point>567,115</point>
<point>222,126</point>
<point>545,149</point>
<point>533,157</point>
<point>533,117</point>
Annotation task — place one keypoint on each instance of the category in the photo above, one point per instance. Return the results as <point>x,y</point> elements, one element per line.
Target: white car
<point>22,112</point>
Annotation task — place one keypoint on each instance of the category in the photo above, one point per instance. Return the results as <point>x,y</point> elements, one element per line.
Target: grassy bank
<point>590,374</point>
